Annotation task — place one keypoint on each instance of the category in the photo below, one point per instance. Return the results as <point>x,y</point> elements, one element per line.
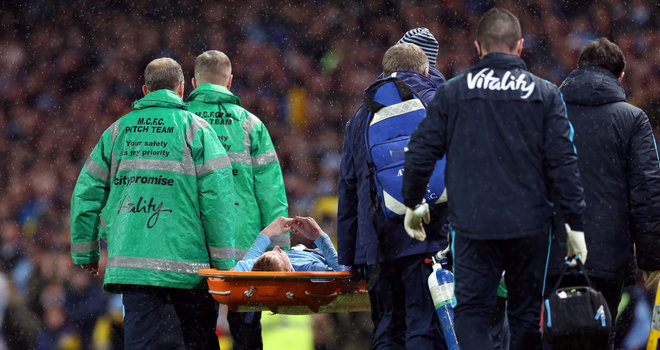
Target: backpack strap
<point>405,91</point>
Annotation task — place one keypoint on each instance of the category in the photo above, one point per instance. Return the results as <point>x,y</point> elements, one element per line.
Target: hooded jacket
<point>509,151</point>
<point>162,182</point>
<point>618,164</point>
<point>258,182</point>
<point>358,241</point>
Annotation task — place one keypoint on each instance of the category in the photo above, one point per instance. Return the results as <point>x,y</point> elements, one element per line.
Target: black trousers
<point>478,266</point>
<point>402,309</point>
<point>245,328</point>
<point>146,319</point>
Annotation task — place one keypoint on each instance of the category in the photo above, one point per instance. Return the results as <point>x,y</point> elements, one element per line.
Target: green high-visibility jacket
<point>258,182</point>
<point>162,183</point>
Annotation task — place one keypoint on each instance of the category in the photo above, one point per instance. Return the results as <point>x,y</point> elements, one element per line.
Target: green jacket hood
<point>212,93</point>
<point>160,98</point>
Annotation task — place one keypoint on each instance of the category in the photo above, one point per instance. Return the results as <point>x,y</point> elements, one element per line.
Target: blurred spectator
<point>303,65</point>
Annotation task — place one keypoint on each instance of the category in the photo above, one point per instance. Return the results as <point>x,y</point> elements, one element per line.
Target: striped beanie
<point>423,38</point>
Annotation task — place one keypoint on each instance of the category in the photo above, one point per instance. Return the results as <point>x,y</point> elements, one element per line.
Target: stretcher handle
<point>320,295</point>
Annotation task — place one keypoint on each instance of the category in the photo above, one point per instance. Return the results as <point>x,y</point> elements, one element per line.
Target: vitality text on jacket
<point>126,206</point>
<point>485,80</point>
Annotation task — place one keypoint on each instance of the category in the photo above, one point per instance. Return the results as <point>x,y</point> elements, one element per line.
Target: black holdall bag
<point>576,317</point>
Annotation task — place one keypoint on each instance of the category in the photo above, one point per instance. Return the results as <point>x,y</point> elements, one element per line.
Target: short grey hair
<point>213,67</point>
<point>163,73</point>
<point>405,56</point>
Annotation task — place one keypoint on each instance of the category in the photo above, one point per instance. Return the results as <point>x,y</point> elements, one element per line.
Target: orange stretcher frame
<point>293,293</point>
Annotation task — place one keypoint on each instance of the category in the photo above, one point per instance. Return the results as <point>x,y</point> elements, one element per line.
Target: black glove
<point>359,273</point>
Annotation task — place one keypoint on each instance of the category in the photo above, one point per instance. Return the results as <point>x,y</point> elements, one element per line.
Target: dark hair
<point>266,262</point>
<point>498,28</point>
<point>163,73</point>
<point>603,53</point>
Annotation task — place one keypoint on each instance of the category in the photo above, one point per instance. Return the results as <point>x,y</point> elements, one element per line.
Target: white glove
<point>412,222</point>
<point>576,245</point>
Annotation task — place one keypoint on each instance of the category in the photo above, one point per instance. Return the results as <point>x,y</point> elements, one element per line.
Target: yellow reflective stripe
<point>213,164</point>
<point>132,262</point>
<point>221,253</point>
<point>84,247</point>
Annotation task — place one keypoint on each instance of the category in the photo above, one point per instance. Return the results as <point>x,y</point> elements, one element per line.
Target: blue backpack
<point>395,111</point>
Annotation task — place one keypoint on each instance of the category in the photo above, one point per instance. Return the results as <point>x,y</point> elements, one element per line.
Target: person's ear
<point>228,85</point>
<point>194,83</point>
<point>519,47</point>
<point>426,72</point>
<point>179,89</point>
<point>477,46</point>
<point>145,91</point>
<point>621,77</point>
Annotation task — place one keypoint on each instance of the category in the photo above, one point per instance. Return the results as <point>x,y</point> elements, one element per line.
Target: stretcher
<point>292,293</point>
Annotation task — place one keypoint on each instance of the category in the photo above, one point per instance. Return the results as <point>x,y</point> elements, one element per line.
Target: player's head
<point>405,56</point>
<point>603,53</point>
<point>212,67</point>
<point>275,260</point>
<point>163,73</point>
<point>498,31</point>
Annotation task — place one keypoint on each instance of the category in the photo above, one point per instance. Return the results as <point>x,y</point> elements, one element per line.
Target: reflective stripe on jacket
<point>162,183</point>
<point>258,182</point>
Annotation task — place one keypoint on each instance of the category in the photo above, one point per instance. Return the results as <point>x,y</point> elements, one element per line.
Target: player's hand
<point>412,222</point>
<point>576,245</point>
<point>278,227</point>
<point>307,226</point>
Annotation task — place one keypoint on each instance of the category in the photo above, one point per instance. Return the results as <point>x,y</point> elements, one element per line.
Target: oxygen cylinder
<point>441,286</point>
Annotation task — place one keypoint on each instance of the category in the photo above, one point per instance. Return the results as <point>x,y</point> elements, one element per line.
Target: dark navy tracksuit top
<point>509,152</point>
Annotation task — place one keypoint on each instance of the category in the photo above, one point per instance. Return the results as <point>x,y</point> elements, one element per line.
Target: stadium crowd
<point>69,69</point>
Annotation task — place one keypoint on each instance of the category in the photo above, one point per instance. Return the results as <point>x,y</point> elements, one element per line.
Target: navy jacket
<point>619,169</point>
<point>358,240</point>
<point>509,149</point>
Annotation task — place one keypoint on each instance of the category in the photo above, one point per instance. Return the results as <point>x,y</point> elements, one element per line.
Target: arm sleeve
<point>89,197</point>
<point>258,247</point>
<point>560,161</point>
<point>426,146</point>
<point>643,174</point>
<point>347,221</point>
<point>215,194</point>
<point>328,250</point>
<point>268,180</point>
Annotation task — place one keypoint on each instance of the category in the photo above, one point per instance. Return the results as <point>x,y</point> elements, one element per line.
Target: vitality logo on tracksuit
<point>485,80</point>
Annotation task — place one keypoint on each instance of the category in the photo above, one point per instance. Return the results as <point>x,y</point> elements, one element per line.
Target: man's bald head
<point>213,67</point>
<point>163,73</point>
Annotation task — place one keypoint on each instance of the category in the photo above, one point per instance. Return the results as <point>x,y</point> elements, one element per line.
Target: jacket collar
<point>212,93</point>
<point>159,98</point>
<point>500,60</point>
<point>416,80</point>
<point>592,86</point>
